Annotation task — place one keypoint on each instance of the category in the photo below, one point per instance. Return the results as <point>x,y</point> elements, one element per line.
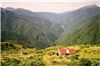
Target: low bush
<point>84,62</point>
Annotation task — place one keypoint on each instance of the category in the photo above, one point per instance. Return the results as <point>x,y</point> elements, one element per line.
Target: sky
<point>49,0</point>
<point>48,5</point>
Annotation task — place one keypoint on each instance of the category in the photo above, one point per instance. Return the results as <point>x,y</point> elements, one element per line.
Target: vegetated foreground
<point>15,54</point>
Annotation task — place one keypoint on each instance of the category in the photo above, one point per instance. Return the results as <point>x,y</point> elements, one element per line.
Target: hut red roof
<point>62,51</point>
<point>71,50</point>
<point>67,51</point>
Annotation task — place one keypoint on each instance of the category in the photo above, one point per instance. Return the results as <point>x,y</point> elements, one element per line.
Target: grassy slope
<point>84,33</point>
<point>15,54</point>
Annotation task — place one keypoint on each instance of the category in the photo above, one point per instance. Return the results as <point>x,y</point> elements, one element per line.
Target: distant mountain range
<point>44,29</point>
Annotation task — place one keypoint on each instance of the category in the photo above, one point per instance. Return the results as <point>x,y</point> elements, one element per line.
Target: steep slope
<point>71,18</point>
<point>36,31</point>
<point>86,32</point>
<point>41,29</point>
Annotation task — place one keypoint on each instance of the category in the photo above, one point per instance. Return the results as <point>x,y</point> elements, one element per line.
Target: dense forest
<point>44,29</point>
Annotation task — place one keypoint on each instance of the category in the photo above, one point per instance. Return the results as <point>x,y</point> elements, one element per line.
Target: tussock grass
<point>20,56</point>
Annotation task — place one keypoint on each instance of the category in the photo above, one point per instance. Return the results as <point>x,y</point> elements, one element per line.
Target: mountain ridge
<point>42,29</point>
<point>88,33</point>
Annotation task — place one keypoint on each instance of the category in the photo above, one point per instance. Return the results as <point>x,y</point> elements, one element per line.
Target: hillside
<point>43,29</point>
<point>15,54</point>
<point>32,31</point>
<point>83,33</point>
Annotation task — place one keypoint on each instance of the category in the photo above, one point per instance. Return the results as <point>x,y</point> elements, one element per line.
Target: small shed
<point>66,51</point>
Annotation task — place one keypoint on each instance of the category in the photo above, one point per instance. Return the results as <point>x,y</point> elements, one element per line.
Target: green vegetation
<point>26,37</point>
<point>31,31</point>
<point>15,54</point>
<point>42,30</point>
<point>83,33</point>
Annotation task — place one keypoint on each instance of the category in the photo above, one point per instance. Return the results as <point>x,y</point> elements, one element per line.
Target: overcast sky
<point>49,5</point>
<point>49,0</point>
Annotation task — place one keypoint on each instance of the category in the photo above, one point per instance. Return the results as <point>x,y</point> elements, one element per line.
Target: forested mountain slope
<point>42,29</point>
<point>87,32</point>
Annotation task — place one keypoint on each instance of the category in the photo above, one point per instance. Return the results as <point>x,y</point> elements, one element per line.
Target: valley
<point>44,29</point>
<point>33,38</point>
